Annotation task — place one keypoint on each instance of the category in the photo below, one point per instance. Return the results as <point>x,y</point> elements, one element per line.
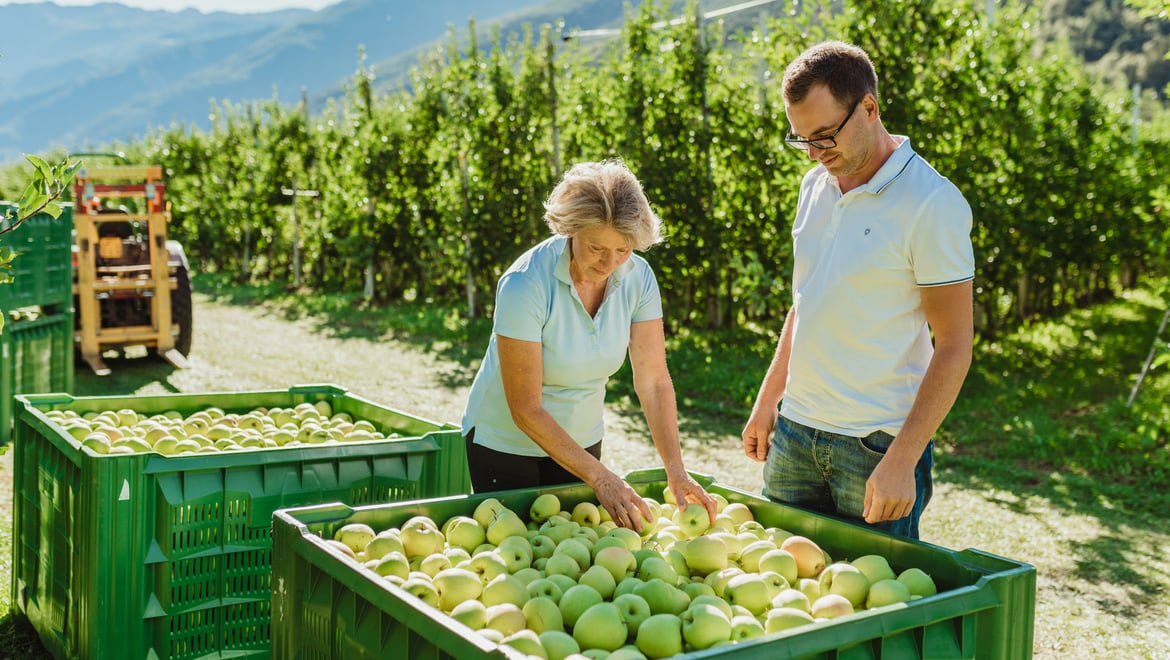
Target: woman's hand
<point>625,506</point>
<point>687,490</point>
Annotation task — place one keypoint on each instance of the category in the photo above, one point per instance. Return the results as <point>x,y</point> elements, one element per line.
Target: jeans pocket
<point>877,442</point>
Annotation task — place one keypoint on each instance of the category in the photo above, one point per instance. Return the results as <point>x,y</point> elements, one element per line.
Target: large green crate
<point>150,556</point>
<point>325,608</point>
<point>35,356</point>
<point>43,269</point>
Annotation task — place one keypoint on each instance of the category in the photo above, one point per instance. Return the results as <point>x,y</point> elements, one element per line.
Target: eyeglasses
<point>826,142</point>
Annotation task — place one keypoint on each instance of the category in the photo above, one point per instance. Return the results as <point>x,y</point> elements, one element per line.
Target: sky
<point>237,6</point>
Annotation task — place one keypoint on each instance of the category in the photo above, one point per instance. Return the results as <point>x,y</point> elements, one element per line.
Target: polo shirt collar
<point>892,168</point>
<point>562,267</point>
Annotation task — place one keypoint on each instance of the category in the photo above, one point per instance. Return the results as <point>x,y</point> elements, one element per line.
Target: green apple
<point>545,588</point>
<point>487,565</point>
<point>433,563</point>
<point>712,599</point>
<point>660,636</point>
<point>485,511</point>
<point>749,591</point>
<point>586,514</point>
<point>559,645</point>
<point>541,546</point>
<point>918,582</point>
<point>544,506</point>
<point>586,536</point>
<point>558,528</point>
<point>846,580</point>
<point>627,586</point>
<point>875,568</point>
<point>471,613</point>
<point>455,585</point>
<point>543,614</point>
<point>810,587</point>
<point>733,543</point>
<point>887,592</point>
<point>776,582</point>
<point>678,562</point>
<point>616,559</point>
<point>831,606</point>
<point>576,600</point>
<point>750,554</point>
<point>810,558</point>
<point>744,627</point>
<point>507,618</point>
<point>340,547</point>
<point>491,634</point>
<point>632,539</point>
<point>783,618</point>
<point>464,532</point>
<point>755,528</point>
<point>525,641</point>
<point>504,589</point>
<point>562,564</point>
<point>505,524</point>
<point>601,627</point>
<point>392,563</point>
<point>516,551</point>
<point>657,567</point>
<point>456,554</point>
<point>718,580</point>
<point>659,595</point>
<point>528,575</point>
<point>600,579</point>
<point>355,535</point>
<point>634,610</point>
<point>562,581</point>
<point>705,554</point>
<point>693,519</point>
<point>792,598</point>
<point>704,625</point>
<point>420,537</point>
<point>421,587</point>
<point>696,587</point>
<point>779,561</point>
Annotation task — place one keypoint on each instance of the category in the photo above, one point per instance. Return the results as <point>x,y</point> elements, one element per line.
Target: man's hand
<point>757,434</point>
<point>890,492</point>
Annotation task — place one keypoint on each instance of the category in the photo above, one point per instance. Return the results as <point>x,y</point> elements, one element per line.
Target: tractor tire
<point>181,310</point>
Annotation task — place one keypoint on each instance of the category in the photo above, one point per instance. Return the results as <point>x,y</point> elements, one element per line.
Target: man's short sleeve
<point>940,245</point>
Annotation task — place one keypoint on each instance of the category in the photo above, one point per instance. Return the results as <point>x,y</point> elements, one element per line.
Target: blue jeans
<point>826,472</point>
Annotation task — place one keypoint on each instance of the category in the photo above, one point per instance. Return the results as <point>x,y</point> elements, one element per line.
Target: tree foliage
<point>431,190</point>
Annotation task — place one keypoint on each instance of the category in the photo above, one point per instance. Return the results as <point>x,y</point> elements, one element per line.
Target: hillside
<point>82,77</point>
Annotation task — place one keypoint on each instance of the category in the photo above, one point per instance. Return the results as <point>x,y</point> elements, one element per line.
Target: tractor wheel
<point>181,310</point>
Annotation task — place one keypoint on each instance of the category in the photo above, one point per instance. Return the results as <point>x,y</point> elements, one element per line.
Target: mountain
<point>82,77</point>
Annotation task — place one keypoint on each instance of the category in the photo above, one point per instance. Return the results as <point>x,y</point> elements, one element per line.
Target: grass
<point>1040,460</point>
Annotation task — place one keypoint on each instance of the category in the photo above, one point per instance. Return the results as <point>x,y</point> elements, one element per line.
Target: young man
<point>883,259</point>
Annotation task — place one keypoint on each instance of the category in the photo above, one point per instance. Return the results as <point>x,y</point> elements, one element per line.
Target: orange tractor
<point>131,286</point>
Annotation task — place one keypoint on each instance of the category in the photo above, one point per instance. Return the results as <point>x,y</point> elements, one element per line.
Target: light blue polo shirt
<point>860,342</point>
<point>536,301</point>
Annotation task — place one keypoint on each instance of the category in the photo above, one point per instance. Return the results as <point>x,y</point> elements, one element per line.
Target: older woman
<point>567,312</point>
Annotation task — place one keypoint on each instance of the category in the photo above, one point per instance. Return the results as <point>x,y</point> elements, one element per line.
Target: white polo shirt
<point>536,301</point>
<point>860,343</point>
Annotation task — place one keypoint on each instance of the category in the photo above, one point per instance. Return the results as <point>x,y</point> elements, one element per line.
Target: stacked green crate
<point>169,557</point>
<point>43,271</point>
<point>328,608</point>
<point>36,343</point>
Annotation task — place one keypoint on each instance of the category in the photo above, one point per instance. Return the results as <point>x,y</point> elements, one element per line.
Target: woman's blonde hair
<point>603,193</point>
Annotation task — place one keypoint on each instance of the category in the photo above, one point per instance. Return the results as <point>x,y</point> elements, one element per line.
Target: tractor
<point>131,286</point>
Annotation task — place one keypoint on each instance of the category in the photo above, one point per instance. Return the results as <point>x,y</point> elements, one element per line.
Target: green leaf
<point>43,167</point>
<point>53,209</point>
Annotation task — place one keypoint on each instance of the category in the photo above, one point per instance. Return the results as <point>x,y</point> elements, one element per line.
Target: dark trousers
<point>493,470</point>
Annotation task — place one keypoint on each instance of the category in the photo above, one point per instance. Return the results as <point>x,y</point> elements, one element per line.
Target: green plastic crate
<point>35,356</point>
<point>324,608</point>
<point>150,556</point>
<point>43,269</point>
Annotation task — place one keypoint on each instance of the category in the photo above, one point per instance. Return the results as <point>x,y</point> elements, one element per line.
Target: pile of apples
<point>572,584</point>
<point>212,430</point>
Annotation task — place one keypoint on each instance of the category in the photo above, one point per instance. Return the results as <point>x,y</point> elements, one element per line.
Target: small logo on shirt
<point>867,231</point>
